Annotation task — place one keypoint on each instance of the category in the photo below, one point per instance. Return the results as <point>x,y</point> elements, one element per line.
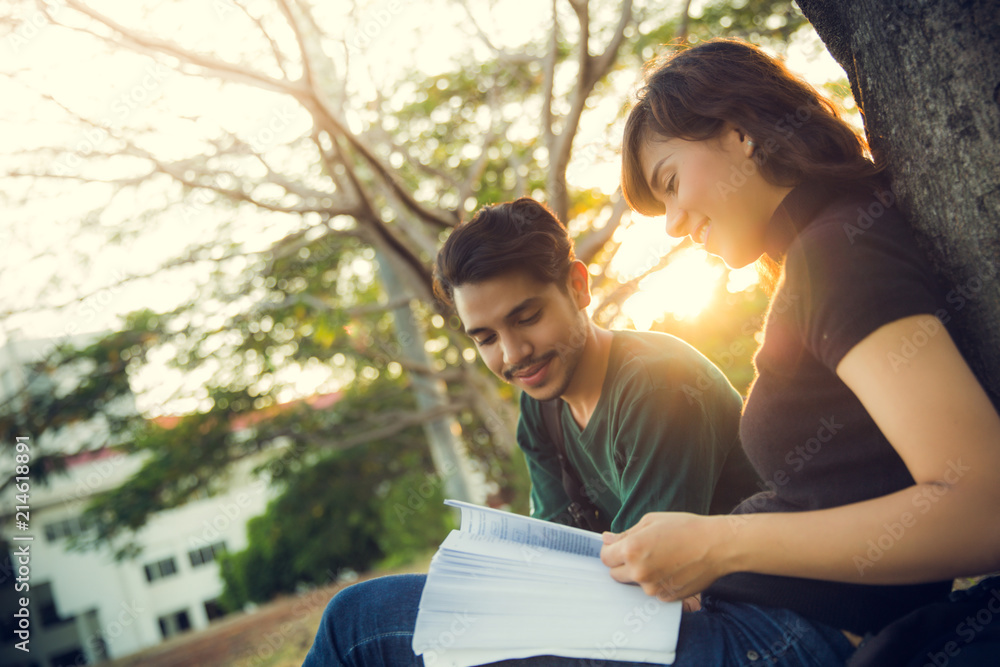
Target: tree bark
<point>447,451</point>
<point>926,75</point>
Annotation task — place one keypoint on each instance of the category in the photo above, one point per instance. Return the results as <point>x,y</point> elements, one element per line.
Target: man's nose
<point>515,349</point>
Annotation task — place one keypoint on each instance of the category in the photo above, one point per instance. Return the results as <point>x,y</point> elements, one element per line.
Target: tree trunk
<point>447,451</point>
<point>926,75</point>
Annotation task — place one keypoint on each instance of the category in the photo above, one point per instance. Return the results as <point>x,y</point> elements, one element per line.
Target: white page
<point>507,586</point>
<point>616,625</point>
<point>491,549</point>
<point>474,657</point>
<point>479,520</point>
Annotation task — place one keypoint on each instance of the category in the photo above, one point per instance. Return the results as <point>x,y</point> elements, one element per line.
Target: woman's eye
<point>532,319</point>
<point>671,184</point>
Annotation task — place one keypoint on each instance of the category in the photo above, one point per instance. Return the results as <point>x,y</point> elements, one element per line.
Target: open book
<point>506,586</point>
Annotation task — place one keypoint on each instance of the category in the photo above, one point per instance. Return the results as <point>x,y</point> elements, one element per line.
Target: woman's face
<point>713,192</point>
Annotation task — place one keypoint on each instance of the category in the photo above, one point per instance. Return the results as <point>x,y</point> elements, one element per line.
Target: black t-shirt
<point>851,265</point>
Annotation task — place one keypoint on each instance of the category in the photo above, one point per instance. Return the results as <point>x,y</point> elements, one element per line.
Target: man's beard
<point>569,354</point>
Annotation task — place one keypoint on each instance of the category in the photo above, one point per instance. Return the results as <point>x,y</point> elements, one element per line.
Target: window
<point>206,554</point>
<point>66,528</point>
<point>174,624</point>
<point>213,610</point>
<point>50,615</point>
<point>161,569</point>
<point>69,658</point>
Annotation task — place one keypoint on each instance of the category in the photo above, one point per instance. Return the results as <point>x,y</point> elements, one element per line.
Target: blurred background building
<point>85,606</point>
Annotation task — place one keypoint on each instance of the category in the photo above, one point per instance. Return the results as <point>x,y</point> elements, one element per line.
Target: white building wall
<point>92,585</point>
<point>127,604</point>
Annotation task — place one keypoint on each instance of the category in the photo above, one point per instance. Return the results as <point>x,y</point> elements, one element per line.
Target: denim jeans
<point>371,623</point>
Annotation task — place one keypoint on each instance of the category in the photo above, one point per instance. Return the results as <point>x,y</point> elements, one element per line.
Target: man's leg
<point>372,624</point>
<point>735,635</point>
<point>369,623</point>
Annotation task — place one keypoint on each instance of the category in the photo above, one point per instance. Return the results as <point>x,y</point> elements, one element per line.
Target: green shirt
<point>664,429</point>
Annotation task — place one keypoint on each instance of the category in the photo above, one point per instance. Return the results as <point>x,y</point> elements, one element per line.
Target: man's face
<point>529,333</point>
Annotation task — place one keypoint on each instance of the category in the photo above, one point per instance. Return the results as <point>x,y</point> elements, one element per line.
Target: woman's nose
<point>676,221</point>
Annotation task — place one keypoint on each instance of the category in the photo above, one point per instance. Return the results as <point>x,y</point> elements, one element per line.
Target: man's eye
<point>485,341</point>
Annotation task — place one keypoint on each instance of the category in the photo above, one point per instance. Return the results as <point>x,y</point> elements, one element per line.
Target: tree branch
<point>627,289</point>
<point>501,54</point>
<point>588,246</point>
<point>155,46</point>
<point>368,215</point>
<point>393,423</point>
<point>327,120</point>
<point>307,68</point>
<point>279,57</point>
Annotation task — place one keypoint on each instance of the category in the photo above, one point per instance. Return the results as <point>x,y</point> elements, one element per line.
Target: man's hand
<point>692,603</point>
<point>671,555</point>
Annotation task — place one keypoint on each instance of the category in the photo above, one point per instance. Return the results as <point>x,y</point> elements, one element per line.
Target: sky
<point>50,260</point>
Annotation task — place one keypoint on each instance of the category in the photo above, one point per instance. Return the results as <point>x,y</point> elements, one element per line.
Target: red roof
<point>243,421</point>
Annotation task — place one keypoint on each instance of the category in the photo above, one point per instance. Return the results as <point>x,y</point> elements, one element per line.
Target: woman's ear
<point>735,138</point>
<point>578,284</point>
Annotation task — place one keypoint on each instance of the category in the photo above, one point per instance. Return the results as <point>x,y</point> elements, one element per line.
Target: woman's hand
<point>671,555</point>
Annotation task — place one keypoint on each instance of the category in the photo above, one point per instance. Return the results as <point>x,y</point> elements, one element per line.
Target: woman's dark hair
<point>522,235</point>
<point>798,133</point>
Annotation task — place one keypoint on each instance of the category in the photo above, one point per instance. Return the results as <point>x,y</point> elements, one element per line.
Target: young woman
<point>879,448</point>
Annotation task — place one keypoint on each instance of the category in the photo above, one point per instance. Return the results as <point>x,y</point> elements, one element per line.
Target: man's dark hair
<point>522,235</point>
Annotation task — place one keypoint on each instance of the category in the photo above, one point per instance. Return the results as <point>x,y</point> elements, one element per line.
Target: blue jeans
<point>371,623</point>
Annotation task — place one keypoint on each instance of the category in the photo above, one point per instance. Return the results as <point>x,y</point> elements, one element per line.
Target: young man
<point>649,423</point>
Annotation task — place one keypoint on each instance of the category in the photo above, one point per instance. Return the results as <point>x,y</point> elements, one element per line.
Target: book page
<point>497,524</point>
<point>474,657</point>
<point>506,586</point>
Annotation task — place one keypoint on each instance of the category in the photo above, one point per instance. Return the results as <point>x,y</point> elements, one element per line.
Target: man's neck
<point>584,390</point>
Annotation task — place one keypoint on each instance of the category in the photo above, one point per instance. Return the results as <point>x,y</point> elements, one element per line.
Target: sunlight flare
<point>683,289</point>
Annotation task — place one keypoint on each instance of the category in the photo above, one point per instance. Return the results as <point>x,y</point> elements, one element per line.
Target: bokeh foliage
<point>368,174</point>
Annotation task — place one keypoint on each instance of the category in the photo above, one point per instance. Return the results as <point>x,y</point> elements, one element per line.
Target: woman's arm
<point>922,395</point>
